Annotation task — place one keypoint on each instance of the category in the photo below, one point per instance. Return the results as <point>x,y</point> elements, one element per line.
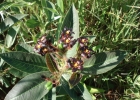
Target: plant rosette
<point>56,59</point>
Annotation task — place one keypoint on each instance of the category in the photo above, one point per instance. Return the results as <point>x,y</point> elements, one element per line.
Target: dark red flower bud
<point>44,50</point>
<point>38,46</point>
<point>68,31</point>
<point>86,52</point>
<point>66,38</point>
<point>72,43</point>
<point>83,41</point>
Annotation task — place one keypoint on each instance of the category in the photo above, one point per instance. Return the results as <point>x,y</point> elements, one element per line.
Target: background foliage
<point>115,23</point>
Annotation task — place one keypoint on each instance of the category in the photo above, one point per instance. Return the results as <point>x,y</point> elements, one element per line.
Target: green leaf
<point>48,85</point>
<point>6,81</point>
<point>71,21</point>
<point>60,5</point>
<point>50,63</point>
<point>102,62</point>
<point>2,63</point>
<point>32,23</point>
<point>79,92</point>
<point>74,79</point>
<point>137,82</point>
<point>24,48</point>
<point>84,92</point>
<point>25,62</point>
<point>63,97</point>
<point>32,87</point>
<point>30,1</point>
<point>17,73</point>
<point>91,38</point>
<point>50,14</point>
<point>92,96</point>
<point>11,35</point>
<point>47,4</point>
<point>95,90</point>
<point>51,95</point>
<point>71,92</point>
<point>61,94</point>
<point>52,10</point>
<point>23,3</point>
<point>97,47</point>
<point>5,5</point>
<point>9,21</point>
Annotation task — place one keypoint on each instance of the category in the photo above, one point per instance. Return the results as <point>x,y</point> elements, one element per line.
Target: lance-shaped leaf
<point>17,73</point>
<point>5,5</point>
<point>32,23</point>
<point>74,79</point>
<point>102,62</point>
<point>71,20</point>
<point>11,35</point>
<point>91,38</point>
<point>71,92</point>
<point>24,48</point>
<point>79,92</point>
<point>50,63</point>
<point>60,5</point>
<point>9,21</point>
<point>47,4</point>
<point>32,87</point>
<point>51,95</point>
<point>25,62</point>
<point>61,94</point>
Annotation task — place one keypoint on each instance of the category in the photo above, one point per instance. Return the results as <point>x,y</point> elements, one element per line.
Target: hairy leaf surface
<point>32,87</point>
<point>24,61</point>
<point>103,62</point>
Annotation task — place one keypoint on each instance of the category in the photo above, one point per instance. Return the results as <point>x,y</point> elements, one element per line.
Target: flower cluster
<point>83,48</point>
<point>83,51</point>
<point>66,38</point>
<point>75,64</point>
<point>44,46</point>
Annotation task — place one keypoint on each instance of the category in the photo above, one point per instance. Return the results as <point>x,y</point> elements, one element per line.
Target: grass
<point>116,25</point>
